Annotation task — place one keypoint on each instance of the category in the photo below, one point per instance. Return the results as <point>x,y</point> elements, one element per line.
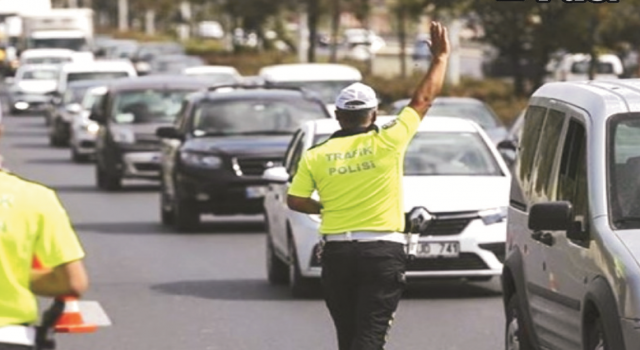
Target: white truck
<point>10,20</point>
<point>58,29</point>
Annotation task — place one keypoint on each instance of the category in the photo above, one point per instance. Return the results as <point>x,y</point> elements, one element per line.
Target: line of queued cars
<point>223,144</point>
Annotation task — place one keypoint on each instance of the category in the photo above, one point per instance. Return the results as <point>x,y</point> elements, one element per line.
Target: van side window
<point>572,177</point>
<point>533,121</point>
<point>545,158</point>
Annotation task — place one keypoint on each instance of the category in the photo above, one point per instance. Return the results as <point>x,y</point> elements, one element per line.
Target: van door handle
<point>543,237</point>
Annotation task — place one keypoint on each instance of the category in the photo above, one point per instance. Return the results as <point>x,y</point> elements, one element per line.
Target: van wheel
<point>277,270</point>
<point>516,336</point>
<point>301,287</point>
<point>595,335</point>
<point>186,216</point>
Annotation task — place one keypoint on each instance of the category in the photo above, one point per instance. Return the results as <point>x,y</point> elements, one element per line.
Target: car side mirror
<point>507,145</point>
<point>276,175</point>
<point>551,216</point>
<point>168,132</point>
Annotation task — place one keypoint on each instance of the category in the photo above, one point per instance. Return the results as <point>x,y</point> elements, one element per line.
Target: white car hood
<point>37,86</point>
<point>442,194</point>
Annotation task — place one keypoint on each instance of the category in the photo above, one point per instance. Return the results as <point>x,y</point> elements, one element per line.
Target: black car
<point>129,114</point>
<point>61,111</point>
<point>221,144</point>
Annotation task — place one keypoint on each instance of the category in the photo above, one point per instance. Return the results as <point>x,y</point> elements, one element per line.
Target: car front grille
<point>465,261</point>
<point>147,167</point>
<point>446,226</point>
<point>256,166</point>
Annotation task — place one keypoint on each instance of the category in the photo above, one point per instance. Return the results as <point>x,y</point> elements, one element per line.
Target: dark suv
<point>130,112</point>
<point>226,140</point>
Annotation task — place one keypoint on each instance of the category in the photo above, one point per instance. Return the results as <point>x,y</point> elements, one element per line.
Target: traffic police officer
<point>358,175</point>
<point>33,223</point>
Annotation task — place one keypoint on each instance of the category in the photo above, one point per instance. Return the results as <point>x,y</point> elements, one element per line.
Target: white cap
<point>356,96</point>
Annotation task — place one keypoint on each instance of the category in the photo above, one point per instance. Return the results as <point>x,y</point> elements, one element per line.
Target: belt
<point>22,335</point>
<point>366,236</point>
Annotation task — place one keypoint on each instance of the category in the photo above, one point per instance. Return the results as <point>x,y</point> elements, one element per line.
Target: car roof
<point>40,66</point>
<point>309,72</point>
<point>600,98</point>
<point>431,124</point>
<point>255,92</point>
<point>89,83</point>
<point>46,53</point>
<point>442,100</point>
<point>101,65</point>
<point>158,81</point>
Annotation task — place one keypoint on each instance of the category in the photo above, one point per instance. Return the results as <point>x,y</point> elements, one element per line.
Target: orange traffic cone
<point>71,320</point>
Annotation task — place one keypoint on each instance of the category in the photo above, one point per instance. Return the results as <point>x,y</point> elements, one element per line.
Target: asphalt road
<point>169,291</point>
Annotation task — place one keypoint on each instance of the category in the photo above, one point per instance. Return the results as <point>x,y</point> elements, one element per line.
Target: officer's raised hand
<point>431,85</point>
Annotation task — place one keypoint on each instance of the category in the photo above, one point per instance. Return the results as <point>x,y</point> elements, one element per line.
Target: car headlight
<point>493,216</point>
<point>21,105</point>
<point>92,128</point>
<point>124,136</point>
<point>201,160</point>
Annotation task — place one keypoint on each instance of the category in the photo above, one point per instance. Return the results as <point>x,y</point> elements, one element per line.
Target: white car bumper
<point>481,251</point>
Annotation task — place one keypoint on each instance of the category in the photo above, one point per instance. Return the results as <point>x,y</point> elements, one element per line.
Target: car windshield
<point>624,169</point>
<point>75,44</point>
<point>177,66</point>
<point>254,116</point>
<point>74,94</point>
<point>40,75</point>
<point>582,67</point>
<point>475,112</point>
<point>90,99</point>
<point>47,60</point>
<point>217,78</point>
<point>326,90</point>
<point>446,154</point>
<point>96,76</point>
<point>147,106</point>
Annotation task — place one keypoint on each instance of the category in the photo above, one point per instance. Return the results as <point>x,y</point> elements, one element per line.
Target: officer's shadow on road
<point>227,289</point>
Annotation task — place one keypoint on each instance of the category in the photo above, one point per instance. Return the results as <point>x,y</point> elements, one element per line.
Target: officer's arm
<point>304,205</point>
<point>431,84</point>
<point>66,279</point>
<point>58,249</point>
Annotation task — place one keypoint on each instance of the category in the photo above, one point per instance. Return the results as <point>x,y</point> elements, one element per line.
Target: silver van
<point>571,277</point>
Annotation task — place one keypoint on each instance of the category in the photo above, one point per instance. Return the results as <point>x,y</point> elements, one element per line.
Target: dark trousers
<point>362,284</point>
<point>5,346</point>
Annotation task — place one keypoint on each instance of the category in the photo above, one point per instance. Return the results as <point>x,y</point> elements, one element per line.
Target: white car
<point>324,79</point>
<point>215,74</point>
<point>451,168</point>
<point>84,131</point>
<point>96,70</point>
<point>30,86</point>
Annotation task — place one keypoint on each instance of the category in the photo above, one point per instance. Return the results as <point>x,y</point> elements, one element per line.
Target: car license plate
<point>438,249</point>
<point>256,191</point>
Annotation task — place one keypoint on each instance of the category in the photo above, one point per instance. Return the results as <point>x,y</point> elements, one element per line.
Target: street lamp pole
<point>123,15</point>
